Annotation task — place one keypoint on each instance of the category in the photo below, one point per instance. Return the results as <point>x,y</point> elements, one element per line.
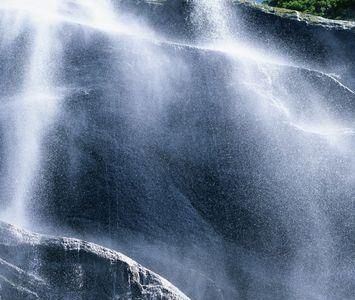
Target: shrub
<point>335,9</point>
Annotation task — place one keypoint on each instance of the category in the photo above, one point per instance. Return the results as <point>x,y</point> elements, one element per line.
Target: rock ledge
<point>34,266</point>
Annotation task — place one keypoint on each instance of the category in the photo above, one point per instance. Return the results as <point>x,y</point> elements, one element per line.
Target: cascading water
<point>212,20</point>
<point>317,117</point>
<point>221,165</point>
<point>28,112</point>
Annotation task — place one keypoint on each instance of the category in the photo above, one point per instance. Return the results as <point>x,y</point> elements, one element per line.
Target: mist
<point>217,159</point>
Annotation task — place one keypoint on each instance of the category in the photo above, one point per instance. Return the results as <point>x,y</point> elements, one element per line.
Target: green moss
<point>283,10</point>
<point>300,16</point>
<point>334,9</point>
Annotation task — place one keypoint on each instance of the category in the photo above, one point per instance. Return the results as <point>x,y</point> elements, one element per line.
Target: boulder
<point>34,266</point>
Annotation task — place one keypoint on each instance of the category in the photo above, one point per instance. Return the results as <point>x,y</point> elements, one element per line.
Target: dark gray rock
<point>42,267</point>
<point>175,155</point>
<point>320,43</point>
<point>197,171</point>
<point>313,41</point>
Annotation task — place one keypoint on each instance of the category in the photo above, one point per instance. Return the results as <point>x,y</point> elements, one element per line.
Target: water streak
<point>258,80</point>
<point>28,115</point>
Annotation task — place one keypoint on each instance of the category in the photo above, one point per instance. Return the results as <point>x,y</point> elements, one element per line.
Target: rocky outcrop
<point>33,266</point>
<point>200,160</point>
<point>189,159</point>
<point>314,41</point>
<point>208,168</point>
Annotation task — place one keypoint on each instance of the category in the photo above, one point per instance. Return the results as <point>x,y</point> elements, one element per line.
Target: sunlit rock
<point>42,267</point>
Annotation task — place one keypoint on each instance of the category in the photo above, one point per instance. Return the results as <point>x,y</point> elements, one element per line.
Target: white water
<point>99,15</point>
<point>214,19</point>
<point>28,114</point>
<point>219,32</point>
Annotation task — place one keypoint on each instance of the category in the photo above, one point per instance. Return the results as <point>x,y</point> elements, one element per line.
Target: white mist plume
<point>29,113</point>
<point>213,19</point>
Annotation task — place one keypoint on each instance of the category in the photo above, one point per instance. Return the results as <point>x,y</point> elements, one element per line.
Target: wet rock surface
<point>229,175</point>
<point>42,267</point>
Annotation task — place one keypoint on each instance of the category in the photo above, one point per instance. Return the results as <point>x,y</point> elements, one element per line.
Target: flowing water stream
<point>31,109</point>
<point>220,31</point>
<point>58,57</point>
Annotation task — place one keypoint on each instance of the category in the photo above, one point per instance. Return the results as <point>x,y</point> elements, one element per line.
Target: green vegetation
<point>333,9</point>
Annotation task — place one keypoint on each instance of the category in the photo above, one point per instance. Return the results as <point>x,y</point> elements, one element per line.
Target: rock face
<point>320,43</point>
<point>323,44</point>
<point>194,169</point>
<point>42,267</point>
<point>230,176</point>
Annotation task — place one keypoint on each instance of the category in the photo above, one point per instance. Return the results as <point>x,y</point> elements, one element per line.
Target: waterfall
<point>212,20</point>
<point>30,111</point>
<point>166,131</point>
<point>260,73</point>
